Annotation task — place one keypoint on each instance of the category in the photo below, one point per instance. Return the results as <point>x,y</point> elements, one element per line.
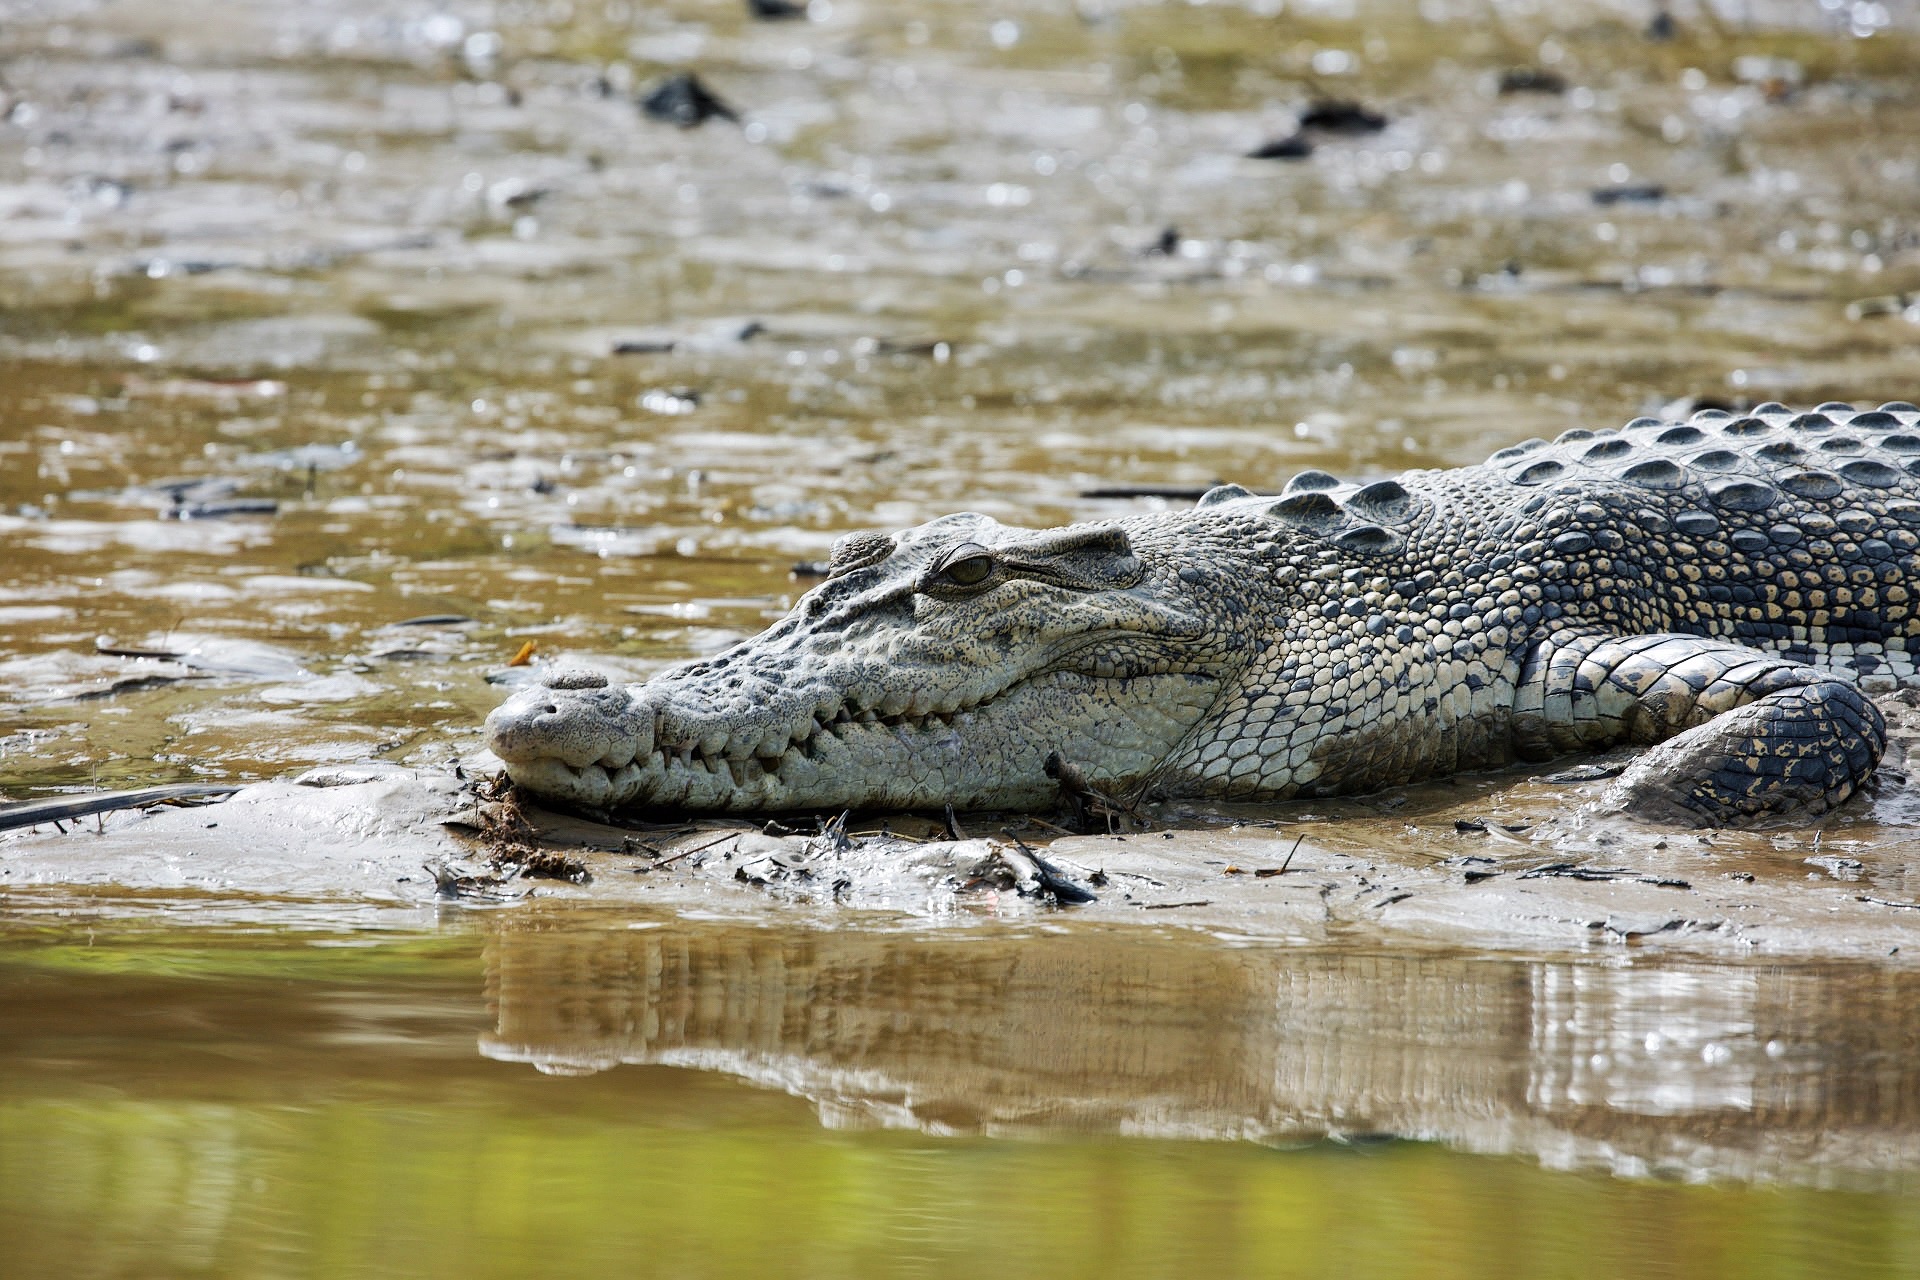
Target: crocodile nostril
<point>550,710</point>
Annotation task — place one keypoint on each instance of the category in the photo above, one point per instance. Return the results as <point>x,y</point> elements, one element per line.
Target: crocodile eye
<point>967,565</point>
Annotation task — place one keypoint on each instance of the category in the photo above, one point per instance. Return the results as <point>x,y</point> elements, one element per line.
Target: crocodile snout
<point>575,718</point>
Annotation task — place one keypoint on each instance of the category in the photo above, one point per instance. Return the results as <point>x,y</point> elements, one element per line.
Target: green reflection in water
<point>624,1185</point>
<point>261,1104</point>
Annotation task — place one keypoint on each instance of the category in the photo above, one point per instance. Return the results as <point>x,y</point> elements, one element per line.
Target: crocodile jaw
<point>604,748</point>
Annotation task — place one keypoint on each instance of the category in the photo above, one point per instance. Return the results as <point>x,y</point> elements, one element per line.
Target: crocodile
<point>1728,590</point>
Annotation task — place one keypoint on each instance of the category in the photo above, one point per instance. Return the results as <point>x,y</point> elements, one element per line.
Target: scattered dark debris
<point>833,833</point>
<point>131,684</point>
<point>1629,929</point>
<point>1030,875</point>
<point>1171,492</point>
<point>644,347</point>
<point>434,620</point>
<point>1470,826</point>
<point>1389,901</point>
<point>810,569</point>
<point>1744,877</point>
<point>1165,245</point>
<point>1889,304</point>
<point>776,10</point>
<point>684,101</point>
<point>408,655</point>
<point>780,865</point>
<point>524,198</point>
<point>1295,147</point>
<point>1630,193</point>
<point>1532,80</point>
<point>149,655</point>
<point>1342,116</point>
<point>1663,28</point>
<point>1169,906</point>
<point>1837,867</point>
<point>1474,868</point>
<point>30,813</point>
<point>530,863</point>
<point>454,880</point>
<point>1574,871</point>
<point>1888,902</point>
<point>222,510</point>
<point>939,348</point>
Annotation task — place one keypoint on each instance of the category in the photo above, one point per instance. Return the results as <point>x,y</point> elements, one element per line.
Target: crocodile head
<point>937,666</point>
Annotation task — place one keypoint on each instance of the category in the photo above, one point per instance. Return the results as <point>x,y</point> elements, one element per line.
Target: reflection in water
<point>182,1101</point>
<point>1689,1070</point>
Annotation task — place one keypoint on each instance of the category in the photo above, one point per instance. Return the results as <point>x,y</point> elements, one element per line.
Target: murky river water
<point>348,347</point>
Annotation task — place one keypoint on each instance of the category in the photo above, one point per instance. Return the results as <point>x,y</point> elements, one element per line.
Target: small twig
<point>1287,861</point>
<point>699,848</point>
<point>1889,902</point>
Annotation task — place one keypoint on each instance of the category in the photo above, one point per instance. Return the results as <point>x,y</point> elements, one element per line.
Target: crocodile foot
<point>1795,753</point>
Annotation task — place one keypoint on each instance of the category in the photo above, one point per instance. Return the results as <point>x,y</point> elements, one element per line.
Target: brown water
<point>369,265</point>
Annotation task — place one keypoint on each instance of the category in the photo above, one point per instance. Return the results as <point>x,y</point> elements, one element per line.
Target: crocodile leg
<point>1744,735</point>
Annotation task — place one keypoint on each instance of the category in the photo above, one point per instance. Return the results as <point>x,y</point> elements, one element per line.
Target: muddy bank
<point>1499,862</point>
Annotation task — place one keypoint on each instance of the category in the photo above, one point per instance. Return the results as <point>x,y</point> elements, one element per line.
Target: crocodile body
<point>1731,587</point>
